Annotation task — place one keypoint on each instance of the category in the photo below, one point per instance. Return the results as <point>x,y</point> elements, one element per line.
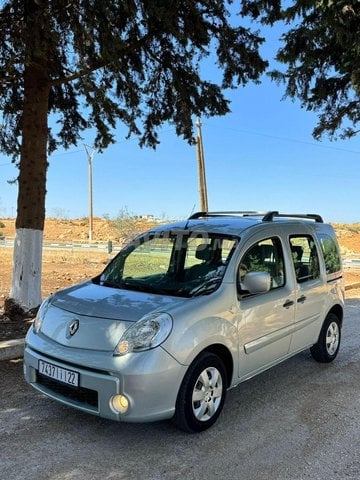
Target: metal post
<point>90,157</point>
<point>201,169</point>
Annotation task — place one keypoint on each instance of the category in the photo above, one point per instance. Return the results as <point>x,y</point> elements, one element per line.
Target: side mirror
<point>257,282</point>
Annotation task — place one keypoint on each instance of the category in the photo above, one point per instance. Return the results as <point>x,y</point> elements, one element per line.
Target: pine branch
<point>81,73</point>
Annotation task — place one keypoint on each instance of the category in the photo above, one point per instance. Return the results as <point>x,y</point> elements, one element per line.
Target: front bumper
<point>150,380</point>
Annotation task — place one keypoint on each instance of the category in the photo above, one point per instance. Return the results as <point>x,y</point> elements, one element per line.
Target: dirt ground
<point>349,237</point>
<point>60,269</point>
<point>63,268</point>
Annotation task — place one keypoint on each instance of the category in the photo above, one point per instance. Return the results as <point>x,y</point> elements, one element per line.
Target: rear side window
<point>305,258</point>
<point>331,253</point>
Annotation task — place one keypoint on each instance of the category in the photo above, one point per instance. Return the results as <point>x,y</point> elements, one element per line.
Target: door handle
<point>288,303</point>
<point>301,299</point>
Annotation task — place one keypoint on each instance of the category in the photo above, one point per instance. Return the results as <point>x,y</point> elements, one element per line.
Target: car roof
<point>234,223</point>
<point>226,225</point>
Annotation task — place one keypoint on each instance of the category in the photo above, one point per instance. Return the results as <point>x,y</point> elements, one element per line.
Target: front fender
<point>186,344</point>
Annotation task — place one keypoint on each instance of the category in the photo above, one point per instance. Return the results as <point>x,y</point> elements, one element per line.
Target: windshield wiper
<point>143,288</point>
<point>124,285</point>
<point>138,287</point>
<point>207,287</point>
<point>107,283</point>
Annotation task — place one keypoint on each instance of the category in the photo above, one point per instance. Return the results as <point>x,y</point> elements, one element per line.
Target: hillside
<point>349,237</point>
<point>66,267</point>
<point>77,230</point>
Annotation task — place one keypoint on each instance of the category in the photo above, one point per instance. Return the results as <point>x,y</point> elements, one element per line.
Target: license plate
<point>58,373</point>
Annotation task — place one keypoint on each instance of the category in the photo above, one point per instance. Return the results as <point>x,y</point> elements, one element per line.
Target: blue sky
<point>260,157</point>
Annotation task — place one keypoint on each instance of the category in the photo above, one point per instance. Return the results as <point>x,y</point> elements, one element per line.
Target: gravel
<point>299,420</point>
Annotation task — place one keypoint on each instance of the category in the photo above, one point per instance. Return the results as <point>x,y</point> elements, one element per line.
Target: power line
<point>287,139</point>
<point>208,124</point>
<point>133,139</point>
<point>72,152</point>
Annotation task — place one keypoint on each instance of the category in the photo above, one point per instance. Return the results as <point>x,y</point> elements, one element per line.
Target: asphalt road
<point>300,420</point>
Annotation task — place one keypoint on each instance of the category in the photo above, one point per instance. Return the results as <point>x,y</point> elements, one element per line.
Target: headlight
<point>41,313</point>
<point>149,332</point>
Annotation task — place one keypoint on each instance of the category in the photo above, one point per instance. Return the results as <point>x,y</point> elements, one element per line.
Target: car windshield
<point>181,263</point>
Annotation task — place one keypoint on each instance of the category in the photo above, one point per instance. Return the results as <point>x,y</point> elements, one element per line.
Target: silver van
<point>187,311</point>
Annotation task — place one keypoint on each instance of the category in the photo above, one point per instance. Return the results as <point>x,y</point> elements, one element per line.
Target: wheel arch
<point>224,354</point>
<point>338,311</point>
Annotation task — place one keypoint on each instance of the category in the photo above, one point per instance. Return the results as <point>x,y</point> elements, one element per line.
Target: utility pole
<point>90,152</point>
<point>201,169</point>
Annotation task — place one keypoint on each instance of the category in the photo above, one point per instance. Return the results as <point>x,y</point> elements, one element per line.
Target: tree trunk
<point>26,280</point>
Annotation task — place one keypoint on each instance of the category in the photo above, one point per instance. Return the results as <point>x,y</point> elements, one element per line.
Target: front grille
<point>81,395</point>
<point>75,366</point>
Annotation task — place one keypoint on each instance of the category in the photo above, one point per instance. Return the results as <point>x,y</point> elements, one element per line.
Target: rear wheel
<point>202,394</point>
<point>327,347</point>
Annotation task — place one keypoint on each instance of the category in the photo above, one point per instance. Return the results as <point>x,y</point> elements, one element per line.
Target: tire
<point>202,394</point>
<point>328,344</point>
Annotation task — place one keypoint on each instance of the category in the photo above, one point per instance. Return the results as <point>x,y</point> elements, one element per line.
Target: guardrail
<point>107,247</point>
<point>351,262</point>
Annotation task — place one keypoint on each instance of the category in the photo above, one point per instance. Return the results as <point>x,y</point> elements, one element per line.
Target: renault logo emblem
<point>73,328</point>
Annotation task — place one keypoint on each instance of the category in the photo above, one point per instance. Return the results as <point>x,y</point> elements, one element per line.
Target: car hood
<point>112,303</point>
<point>101,315</point>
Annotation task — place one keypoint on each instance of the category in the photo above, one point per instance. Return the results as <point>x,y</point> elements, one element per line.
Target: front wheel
<point>328,344</point>
<point>202,394</point>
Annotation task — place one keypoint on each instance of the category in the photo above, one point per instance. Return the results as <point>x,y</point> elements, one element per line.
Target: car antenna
<point>188,219</point>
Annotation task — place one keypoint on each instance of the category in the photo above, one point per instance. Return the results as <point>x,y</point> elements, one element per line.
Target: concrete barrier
<point>10,349</point>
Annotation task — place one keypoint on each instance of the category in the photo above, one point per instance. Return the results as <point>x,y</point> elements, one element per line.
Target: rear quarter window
<point>331,253</point>
<point>305,258</point>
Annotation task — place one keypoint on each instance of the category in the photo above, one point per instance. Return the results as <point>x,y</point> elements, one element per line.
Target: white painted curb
<point>10,349</point>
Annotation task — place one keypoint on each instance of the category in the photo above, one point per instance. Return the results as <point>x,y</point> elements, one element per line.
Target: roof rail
<point>196,215</point>
<point>269,217</point>
<point>266,216</point>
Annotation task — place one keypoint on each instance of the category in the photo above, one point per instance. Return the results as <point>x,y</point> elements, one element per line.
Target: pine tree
<point>321,52</point>
<point>93,63</point>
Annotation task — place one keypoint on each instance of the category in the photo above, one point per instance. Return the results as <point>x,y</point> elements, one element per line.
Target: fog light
<point>119,403</point>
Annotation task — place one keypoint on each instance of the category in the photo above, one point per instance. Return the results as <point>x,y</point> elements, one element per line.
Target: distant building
<point>149,218</point>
